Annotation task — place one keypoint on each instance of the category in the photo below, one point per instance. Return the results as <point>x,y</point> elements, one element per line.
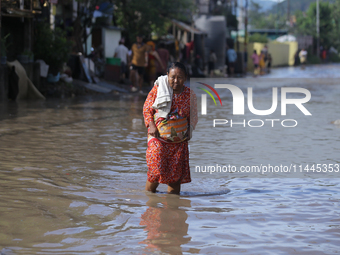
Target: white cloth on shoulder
<point>164,96</point>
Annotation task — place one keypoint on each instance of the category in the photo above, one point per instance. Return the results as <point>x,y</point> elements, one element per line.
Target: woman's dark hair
<point>179,66</point>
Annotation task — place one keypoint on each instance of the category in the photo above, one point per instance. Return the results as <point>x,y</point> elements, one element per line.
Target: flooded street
<point>72,176</point>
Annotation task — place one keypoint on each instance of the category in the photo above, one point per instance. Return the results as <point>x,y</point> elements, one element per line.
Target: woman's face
<point>176,79</point>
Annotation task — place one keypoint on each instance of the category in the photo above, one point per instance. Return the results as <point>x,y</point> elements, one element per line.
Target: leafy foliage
<point>52,46</point>
<point>294,6</point>
<point>334,58</point>
<point>258,38</point>
<point>335,17</point>
<point>329,23</point>
<point>306,23</point>
<point>305,13</point>
<point>4,45</point>
<point>136,16</point>
<point>139,17</point>
<point>313,59</point>
<point>260,19</point>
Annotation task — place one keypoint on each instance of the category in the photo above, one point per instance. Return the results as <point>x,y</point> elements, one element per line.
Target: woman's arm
<point>193,110</point>
<point>193,117</point>
<point>149,113</point>
<point>156,55</point>
<point>152,130</point>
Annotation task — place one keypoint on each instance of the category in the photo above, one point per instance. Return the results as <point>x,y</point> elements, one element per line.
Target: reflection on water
<point>72,176</point>
<point>165,221</point>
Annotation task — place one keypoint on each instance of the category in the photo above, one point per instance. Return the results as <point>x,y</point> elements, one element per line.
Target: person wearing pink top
<point>164,56</point>
<point>256,60</point>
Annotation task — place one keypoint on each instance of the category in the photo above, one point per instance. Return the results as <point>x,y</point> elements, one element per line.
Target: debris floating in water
<point>336,122</point>
<point>137,121</point>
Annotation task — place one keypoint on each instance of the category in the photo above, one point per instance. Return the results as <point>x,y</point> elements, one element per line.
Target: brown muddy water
<point>72,175</point>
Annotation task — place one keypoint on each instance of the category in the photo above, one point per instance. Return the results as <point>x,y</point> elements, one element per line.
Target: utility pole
<point>237,44</point>
<point>245,51</point>
<point>317,29</point>
<point>277,18</point>
<point>241,14</point>
<point>245,23</point>
<point>288,12</point>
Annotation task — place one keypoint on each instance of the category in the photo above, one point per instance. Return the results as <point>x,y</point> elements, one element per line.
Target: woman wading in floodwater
<point>170,121</point>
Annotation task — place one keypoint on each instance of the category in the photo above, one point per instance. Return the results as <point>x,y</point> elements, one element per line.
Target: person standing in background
<point>211,63</point>
<point>232,57</point>
<point>256,60</point>
<point>138,63</point>
<point>245,61</point>
<point>122,53</point>
<point>264,59</point>
<point>269,62</point>
<point>154,61</point>
<point>264,51</point>
<point>296,58</point>
<point>303,58</point>
<point>324,55</point>
<point>164,56</point>
<point>262,63</point>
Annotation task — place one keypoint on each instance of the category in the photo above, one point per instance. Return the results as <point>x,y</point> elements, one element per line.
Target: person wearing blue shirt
<point>232,57</point>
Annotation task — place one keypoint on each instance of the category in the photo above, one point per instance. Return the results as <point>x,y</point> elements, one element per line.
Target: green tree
<point>135,16</point>
<point>144,17</point>
<point>261,20</point>
<point>335,38</point>
<point>258,38</point>
<point>52,46</point>
<point>306,22</point>
<point>256,16</point>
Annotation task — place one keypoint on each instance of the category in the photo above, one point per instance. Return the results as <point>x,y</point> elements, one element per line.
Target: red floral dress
<point>169,162</point>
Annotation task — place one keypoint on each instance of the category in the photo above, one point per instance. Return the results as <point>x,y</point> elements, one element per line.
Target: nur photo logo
<point>204,97</point>
<point>238,104</point>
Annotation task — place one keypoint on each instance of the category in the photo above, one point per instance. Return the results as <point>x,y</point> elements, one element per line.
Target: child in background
<point>303,58</point>
<point>211,64</point>
<point>256,61</point>
<point>269,62</point>
<point>262,63</point>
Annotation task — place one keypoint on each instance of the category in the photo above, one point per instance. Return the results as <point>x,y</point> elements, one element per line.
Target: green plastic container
<point>113,61</point>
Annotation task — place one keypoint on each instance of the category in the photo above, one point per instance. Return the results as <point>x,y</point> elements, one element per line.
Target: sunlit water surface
<point>72,175</point>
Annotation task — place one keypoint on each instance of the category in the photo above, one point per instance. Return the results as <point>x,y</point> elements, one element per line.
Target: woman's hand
<point>152,130</point>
